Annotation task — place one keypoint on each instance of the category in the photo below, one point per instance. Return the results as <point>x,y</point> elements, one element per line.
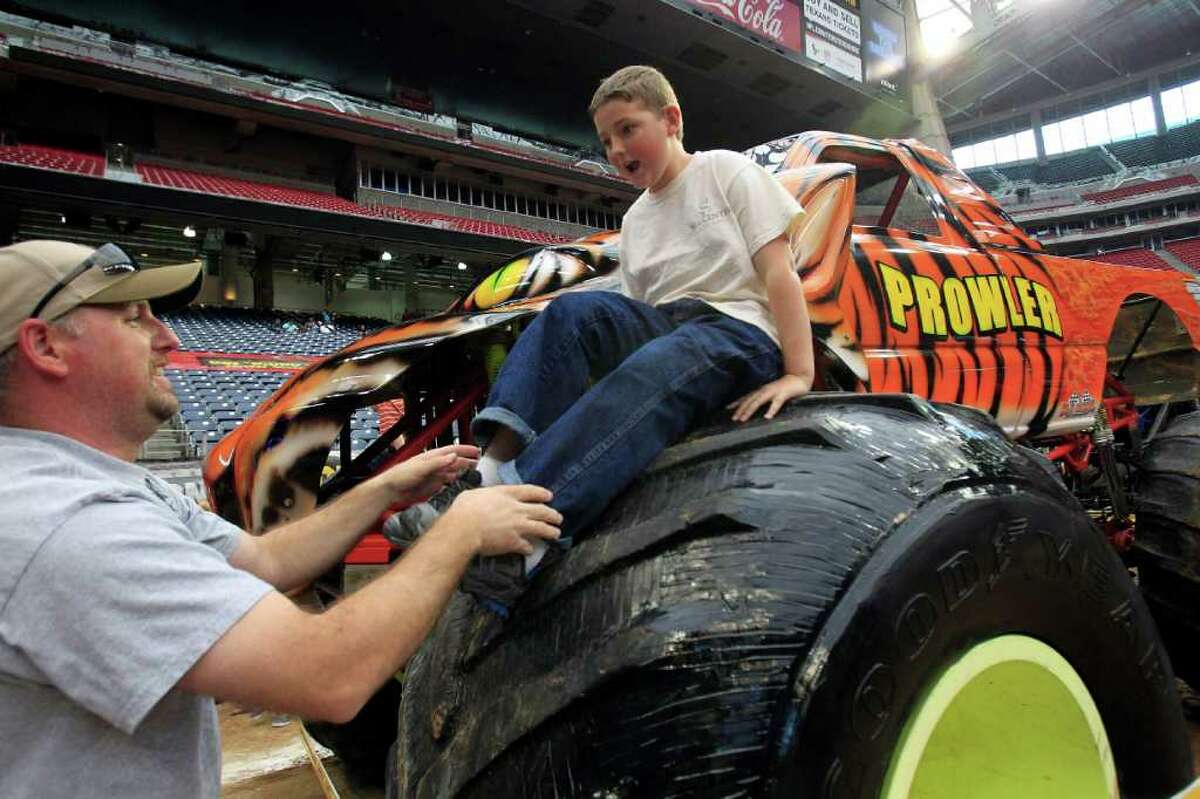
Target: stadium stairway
<point>170,442</point>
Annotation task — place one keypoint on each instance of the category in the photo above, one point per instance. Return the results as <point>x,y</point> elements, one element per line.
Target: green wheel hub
<point>1009,718</point>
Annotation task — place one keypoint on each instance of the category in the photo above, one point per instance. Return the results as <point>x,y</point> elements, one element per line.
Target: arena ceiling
<point>526,65</point>
<point>1060,49</point>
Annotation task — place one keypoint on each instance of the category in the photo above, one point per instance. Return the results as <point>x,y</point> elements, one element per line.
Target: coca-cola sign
<point>777,20</point>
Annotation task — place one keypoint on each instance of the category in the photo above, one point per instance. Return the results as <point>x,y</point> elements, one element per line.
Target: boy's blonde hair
<point>637,84</point>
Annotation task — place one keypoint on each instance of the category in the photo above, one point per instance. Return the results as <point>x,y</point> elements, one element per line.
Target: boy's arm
<point>785,295</point>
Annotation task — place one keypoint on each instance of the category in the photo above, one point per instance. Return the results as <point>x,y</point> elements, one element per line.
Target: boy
<point>714,311</point>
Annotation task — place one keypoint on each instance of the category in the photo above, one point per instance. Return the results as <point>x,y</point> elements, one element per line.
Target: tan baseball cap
<point>48,278</point>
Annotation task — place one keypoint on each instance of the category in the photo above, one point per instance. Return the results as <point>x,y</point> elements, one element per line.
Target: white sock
<point>489,468</point>
<point>535,557</point>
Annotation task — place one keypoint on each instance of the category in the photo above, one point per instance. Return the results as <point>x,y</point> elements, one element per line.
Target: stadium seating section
<point>1134,189</point>
<point>985,178</point>
<point>1186,250</point>
<point>1083,165</point>
<point>1177,144</point>
<point>53,158</point>
<point>1019,171</point>
<point>1132,257</point>
<point>261,191</point>
<point>189,180</point>
<point>238,330</point>
<point>213,402</point>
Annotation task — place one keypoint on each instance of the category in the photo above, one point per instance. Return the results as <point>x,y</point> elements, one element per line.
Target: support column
<point>1035,121</point>
<point>230,258</point>
<point>411,293</point>
<point>930,128</point>
<point>264,273</point>
<point>1160,120</point>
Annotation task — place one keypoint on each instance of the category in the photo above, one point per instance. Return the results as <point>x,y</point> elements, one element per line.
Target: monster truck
<point>915,580</point>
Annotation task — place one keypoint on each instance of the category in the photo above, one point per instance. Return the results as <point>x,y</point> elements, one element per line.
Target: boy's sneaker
<point>405,527</point>
<point>498,582</point>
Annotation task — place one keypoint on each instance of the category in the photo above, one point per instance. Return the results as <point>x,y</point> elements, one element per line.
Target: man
<point>123,607</point>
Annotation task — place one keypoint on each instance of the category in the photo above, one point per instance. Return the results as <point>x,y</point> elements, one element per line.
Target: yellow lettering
<point>1013,313</point>
<point>899,293</point>
<point>929,306</point>
<point>958,306</point>
<point>1028,304</point>
<point>1048,308</point>
<point>988,300</point>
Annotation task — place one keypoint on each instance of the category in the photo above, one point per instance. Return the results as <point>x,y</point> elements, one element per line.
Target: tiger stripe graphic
<point>932,290</point>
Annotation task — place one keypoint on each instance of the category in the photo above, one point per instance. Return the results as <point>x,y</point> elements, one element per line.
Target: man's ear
<point>42,347</point>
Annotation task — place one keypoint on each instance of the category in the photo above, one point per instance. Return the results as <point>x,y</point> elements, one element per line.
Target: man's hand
<point>773,395</point>
<point>504,517</point>
<point>352,647</point>
<point>424,475</point>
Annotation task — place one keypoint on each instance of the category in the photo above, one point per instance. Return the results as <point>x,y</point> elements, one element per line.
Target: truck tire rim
<point>1009,718</point>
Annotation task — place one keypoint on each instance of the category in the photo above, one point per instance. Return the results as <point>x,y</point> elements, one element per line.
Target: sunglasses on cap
<point>108,258</point>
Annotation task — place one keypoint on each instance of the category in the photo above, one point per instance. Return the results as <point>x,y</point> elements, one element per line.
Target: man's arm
<point>326,665</point>
<point>295,554</point>
<point>785,295</point>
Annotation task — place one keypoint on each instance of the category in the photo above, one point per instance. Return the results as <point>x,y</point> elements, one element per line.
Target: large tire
<point>363,743</point>
<point>762,612</point>
<point>1168,538</point>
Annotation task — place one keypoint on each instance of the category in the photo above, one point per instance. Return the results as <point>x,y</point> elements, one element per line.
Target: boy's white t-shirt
<point>695,238</point>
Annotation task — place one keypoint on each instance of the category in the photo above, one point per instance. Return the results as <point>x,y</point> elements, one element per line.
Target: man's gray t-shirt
<point>112,586</point>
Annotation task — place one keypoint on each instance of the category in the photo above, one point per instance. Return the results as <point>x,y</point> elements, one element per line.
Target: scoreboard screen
<point>885,50</point>
<point>860,42</point>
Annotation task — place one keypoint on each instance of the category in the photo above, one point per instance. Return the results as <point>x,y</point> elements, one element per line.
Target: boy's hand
<point>504,517</point>
<point>772,394</point>
<point>425,474</point>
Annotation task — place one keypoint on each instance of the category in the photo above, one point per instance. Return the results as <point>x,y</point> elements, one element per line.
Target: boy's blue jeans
<point>600,384</point>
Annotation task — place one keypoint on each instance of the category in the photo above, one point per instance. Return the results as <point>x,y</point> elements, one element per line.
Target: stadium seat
<point>1186,250</point>
<point>1147,187</point>
<point>190,180</point>
<point>53,158</point>
<point>1136,256</point>
<point>1073,167</point>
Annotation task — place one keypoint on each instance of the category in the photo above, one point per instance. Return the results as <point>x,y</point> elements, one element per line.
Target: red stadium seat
<point>1133,190</point>
<point>52,158</point>
<point>1187,250</point>
<point>1132,257</point>
<point>189,180</point>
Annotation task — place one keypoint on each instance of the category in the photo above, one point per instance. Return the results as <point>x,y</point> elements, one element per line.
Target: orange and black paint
<point>970,310</point>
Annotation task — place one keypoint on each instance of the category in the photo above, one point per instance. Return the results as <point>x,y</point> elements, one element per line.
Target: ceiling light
<point>62,218</point>
<point>189,232</point>
<point>461,265</point>
<point>387,256</point>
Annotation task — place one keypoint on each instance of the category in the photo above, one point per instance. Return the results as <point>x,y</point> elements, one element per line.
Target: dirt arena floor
<point>262,761</point>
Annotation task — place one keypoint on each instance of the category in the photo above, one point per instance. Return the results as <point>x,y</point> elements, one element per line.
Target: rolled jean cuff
<point>482,426</point>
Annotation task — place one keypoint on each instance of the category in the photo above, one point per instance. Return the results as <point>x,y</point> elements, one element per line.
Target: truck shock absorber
<point>1119,528</point>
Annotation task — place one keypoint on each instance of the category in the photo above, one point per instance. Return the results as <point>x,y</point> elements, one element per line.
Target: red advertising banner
<point>775,20</point>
